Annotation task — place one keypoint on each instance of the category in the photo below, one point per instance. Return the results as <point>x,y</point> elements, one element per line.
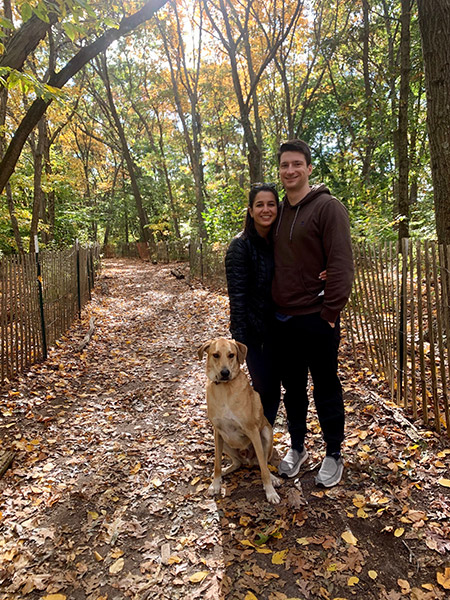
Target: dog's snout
<point>225,373</point>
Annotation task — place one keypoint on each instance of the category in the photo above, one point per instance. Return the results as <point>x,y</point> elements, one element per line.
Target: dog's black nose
<point>225,373</point>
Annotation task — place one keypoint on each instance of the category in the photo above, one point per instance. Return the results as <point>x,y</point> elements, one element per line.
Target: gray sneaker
<point>291,463</point>
<point>330,472</point>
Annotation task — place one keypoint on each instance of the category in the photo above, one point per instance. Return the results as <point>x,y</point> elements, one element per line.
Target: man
<point>312,234</point>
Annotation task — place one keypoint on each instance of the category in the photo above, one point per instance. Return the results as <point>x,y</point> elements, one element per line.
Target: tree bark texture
<point>434,22</point>
<point>25,40</point>
<point>402,132</point>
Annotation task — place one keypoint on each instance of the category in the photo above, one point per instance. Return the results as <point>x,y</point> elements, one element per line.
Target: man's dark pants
<point>308,342</point>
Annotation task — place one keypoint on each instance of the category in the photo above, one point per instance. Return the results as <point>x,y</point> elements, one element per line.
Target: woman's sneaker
<point>330,472</point>
<point>291,463</point>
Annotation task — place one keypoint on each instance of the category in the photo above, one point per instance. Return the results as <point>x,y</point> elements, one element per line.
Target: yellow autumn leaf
<point>444,482</point>
<point>352,581</point>
<point>135,469</point>
<point>349,538</point>
<point>278,558</point>
<point>263,551</point>
<point>94,515</point>
<point>404,585</point>
<point>250,596</point>
<point>117,566</point>
<point>244,521</point>
<point>399,532</point>
<point>199,576</point>
<point>372,574</point>
<point>247,543</point>
<point>55,597</point>
<point>444,578</point>
<point>98,557</point>
<point>428,586</point>
<point>362,513</point>
<point>302,541</point>
<point>359,501</point>
<point>444,453</point>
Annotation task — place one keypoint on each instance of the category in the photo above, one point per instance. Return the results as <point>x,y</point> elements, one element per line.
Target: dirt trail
<point>107,499</point>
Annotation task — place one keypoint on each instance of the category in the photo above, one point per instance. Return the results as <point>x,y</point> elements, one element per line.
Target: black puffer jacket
<point>249,267</point>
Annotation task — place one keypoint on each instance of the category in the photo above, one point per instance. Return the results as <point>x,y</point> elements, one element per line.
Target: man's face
<point>294,172</point>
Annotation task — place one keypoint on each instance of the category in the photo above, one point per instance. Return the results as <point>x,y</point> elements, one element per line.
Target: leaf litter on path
<point>107,496</point>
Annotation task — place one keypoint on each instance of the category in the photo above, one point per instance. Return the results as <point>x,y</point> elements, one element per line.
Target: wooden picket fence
<point>397,320</point>
<point>40,296</point>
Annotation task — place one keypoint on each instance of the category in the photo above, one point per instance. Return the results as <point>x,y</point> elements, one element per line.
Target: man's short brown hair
<point>295,146</point>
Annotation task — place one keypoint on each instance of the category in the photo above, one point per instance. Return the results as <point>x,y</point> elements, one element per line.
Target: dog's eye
<point>216,355</point>
<point>231,355</point>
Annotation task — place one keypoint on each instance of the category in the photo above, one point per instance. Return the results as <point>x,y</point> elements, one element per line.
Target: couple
<point>289,274</point>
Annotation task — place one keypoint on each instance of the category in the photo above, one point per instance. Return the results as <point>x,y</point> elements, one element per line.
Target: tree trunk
<point>369,141</point>
<point>58,80</point>
<point>434,22</point>
<point>173,208</point>
<point>26,39</point>
<point>143,219</point>
<point>192,132</point>
<point>402,132</point>
<point>3,103</point>
<point>38,195</point>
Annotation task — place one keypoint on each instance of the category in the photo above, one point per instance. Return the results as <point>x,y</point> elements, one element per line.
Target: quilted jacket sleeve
<point>237,271</point>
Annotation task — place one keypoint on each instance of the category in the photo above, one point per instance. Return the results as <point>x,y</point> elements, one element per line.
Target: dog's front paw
<point>272,496</point>
<point>276,481</point>
<point>215,488</point>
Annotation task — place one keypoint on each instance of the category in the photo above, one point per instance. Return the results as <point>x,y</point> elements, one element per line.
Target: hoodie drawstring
<point>293,222</point>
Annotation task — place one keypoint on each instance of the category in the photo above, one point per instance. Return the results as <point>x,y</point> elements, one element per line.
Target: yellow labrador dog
<point>240,428</point>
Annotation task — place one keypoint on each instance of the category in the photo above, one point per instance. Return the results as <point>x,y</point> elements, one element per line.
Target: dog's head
<point>224,358</point>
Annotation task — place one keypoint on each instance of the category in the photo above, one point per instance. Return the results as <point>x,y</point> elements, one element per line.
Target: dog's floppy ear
<point>241,351</point>
<point>203,348</point>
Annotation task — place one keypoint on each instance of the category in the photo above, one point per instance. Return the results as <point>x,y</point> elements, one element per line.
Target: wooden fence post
<point>41,298</point>
<point>77,248</point>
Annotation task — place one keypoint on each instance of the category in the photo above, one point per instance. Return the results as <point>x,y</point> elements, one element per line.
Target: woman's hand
<point>323,275</point>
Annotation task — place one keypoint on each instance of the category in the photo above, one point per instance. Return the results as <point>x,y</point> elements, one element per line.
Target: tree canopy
<point>122,121</point>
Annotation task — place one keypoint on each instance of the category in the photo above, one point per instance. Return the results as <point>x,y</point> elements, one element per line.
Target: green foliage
<point>225,213</point>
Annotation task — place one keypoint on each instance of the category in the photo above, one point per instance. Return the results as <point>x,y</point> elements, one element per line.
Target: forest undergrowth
<point>107,496</point>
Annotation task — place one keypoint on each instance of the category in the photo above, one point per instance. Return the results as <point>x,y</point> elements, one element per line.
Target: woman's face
<point>264,210</point>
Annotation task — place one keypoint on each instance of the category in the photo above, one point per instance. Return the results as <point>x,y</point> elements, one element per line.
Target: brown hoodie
<point>309,237</point>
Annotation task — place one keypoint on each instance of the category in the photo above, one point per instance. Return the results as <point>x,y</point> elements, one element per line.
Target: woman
<point>249,268</point>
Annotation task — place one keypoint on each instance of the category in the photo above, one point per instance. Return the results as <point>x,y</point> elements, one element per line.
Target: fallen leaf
<point>304,541</point>
<point>349,538</point>
<point>372,574</point>
<point>404,585</point>
<point>199,576</point>
<point>278,558</point>
<point>55,597</point>
<point>250,596</point>
<point>444,578</point>
<point>352,581</point>
<point>444,482</point>
<point>399,532</point>
<point>117,566</point>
